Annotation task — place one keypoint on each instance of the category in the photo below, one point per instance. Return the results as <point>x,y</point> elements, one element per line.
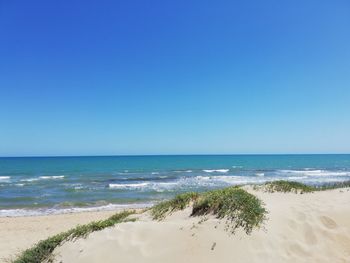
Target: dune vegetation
<point>42,251</point>
<point>296,187</point>
<point>236,205</point>
<point>179,202</point>
<point>287,186</point>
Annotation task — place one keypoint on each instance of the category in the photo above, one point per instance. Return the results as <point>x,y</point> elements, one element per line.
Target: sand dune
<point>19,233</point>
<point>301,228</point>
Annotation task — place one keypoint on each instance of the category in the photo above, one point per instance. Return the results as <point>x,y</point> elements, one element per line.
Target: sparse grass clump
<point>288,186</point>
<point>240,208</point>
<point>42,251</point>
<point>237,206</point>
<point>296,187</point>
<point>180,202</point>
<point>336,185</point>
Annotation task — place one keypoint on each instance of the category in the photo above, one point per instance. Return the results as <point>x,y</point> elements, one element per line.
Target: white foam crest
<point>125,186</point>
<point>165,183</point>
<point>52,177</point>
<point>223,180</point>
<point>78,187</point>
<point>316,172</point>
<point>297,177</point>
<point>159,186</point>
<point>234,180</point>
<point>216,170</point>
<point>200,177</point>
<point>218,181</point>
<point>5,178</point>
<point>30,180</point>
<point>299,171</point>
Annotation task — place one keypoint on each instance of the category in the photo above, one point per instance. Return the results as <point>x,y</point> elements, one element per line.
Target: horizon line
<point>155,155</point>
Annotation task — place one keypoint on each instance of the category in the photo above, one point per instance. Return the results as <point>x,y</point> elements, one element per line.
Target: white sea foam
<point>79,187</point>
<point>155,173</point>
<point>166,186</point>
<point>216,170</point>
<point>297,177</point>
<point>157,186</point>
<point>226,180</point>
<point>260,174</point>
<point>30,180</point>
<point>183,171</point>
<point>315,172</point>
<point>55,211</point>
<point>234,180</point>
<point>52,177</point>
<point>200,177</point>
<point>5,178</point>
<point>201,181</point>
<point>299,171</point>
<point>125,186</point>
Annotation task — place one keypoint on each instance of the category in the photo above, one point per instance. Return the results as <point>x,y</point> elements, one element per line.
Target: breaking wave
<point>217,171</point>
<point>5,178</point>
<point>52,177</point>
<point>55,211</point>
<point>308,172</point>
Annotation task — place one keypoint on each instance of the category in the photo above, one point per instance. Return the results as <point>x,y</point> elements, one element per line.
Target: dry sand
<point>19,233</point>
<point>301,228</point>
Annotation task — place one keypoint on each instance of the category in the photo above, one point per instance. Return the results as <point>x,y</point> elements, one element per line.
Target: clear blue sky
<point>172,77</point>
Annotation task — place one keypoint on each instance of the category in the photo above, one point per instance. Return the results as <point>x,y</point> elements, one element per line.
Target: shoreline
<point>43,211</point>
<point>320,207</point>
<point>29,212</point>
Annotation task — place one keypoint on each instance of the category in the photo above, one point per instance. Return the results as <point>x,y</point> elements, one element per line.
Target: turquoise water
<point>44,185</point>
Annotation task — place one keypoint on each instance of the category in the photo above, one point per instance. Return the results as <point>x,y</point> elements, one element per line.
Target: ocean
<point>51,185</point>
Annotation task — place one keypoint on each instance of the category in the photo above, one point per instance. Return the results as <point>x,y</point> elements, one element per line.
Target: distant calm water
<point>44,185</point>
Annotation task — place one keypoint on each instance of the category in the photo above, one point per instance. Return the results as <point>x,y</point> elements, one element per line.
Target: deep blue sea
<point>46,185</point>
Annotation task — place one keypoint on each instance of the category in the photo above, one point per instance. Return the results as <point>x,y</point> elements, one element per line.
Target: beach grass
<point>335,185</point>
<point>237,206</point>
<point>296,187</point>
<point>287,186</point>
<point>42,251</point>
<point>180,202</point>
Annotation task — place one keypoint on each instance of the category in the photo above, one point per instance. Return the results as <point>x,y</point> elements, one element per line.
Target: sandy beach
<point>174,131</point>
<point>313,227</point>
<point>19,233</point>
